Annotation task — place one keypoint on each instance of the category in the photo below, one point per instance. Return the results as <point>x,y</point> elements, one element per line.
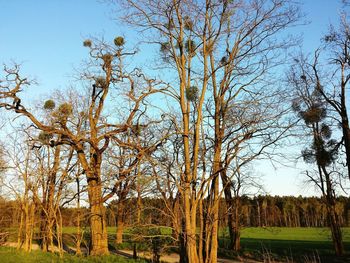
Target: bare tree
<point>222,48</point>
<point>90,132</point>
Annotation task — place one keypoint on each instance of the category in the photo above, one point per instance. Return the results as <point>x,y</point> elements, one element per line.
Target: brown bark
<point>190,227</point>
<point>214,222</point>
<point>201,233</point>
<point>29,226</point>
<point>120,223</point>
<point>233,207</point>
<point>182,244</point>
<point>346,135</point>
<point>334,224</point>
<point>20,229</point>
<point>229,206</point>
<point>237,239</point>
<point>59,238</point>
<point>122,193</point>
<point>79,234</point>
<point>215,200</point>
<point>343,112</point>
<point>98,227</point>
<point>336,231</point>
<point>236,245</point>
<point>139,205</point>
<point>48,214</point>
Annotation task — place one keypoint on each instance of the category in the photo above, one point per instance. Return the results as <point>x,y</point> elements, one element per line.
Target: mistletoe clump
<point>192,93</point>
<point>49,105</point>
<point>44,137</point>
<point>107,58</point>
<point>87,43</point>
<point>119,41</point>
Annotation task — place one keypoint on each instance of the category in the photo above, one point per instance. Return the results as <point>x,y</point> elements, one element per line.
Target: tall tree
<point>222,48</point>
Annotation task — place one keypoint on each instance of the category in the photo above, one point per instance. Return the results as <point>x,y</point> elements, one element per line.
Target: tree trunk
<point>79,234</point>
<point>30,211</point>
<point>201,231</point>
<point>190,227</point>
<point>191,246</point>
<point>345,121</point>
<point>176,218</point>
<point>229,206</point>
<point>20,229</point>
<point>50,226</point>
<point>120,223</point>
<point>215,219</point>
<point>259,215</point>
<point>139,196</point>
<point>232,211</point>
<point>182,244</point>
<point>237,239</point>
<point>48,213</point>
<point>332,217</point>
<point>59,227</point>
<point>336,232</point>
<point>236,226</point>
<point>346,136</point>
<point>139,208</point>
<point>99,239</point>
<point>27,228</point>
<point>43,230</point>
<point>179,228</point>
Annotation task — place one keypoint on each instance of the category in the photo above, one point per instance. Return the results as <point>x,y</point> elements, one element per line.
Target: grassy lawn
<point>11,255</point>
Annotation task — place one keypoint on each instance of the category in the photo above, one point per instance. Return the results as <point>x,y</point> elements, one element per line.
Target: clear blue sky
<point>46,37</point>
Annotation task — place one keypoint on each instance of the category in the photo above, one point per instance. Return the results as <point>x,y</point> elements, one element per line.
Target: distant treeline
<point>279,211</point>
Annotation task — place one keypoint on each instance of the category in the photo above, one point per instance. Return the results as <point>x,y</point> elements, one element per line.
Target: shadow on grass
<point>286,250</point>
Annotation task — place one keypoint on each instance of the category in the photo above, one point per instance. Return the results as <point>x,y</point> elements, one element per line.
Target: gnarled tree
<point>89,131</point>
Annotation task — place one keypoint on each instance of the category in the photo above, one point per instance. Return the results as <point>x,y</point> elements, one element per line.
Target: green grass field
<point>280,243</point>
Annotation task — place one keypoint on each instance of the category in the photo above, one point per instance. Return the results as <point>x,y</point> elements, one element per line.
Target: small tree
<point>328,71</point>
<point>23,183</point>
